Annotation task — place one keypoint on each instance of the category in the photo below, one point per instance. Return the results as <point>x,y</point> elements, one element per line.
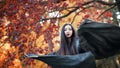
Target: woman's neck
<point>69,40</point>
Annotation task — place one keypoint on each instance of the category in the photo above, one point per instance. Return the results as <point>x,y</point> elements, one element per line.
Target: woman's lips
<point>68,34</point>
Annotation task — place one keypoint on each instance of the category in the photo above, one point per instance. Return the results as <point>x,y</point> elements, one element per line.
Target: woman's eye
<point>65,29</point>
<point>68,29</point>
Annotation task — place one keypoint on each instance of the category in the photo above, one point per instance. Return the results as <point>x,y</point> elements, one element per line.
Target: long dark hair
<point>67,48</point>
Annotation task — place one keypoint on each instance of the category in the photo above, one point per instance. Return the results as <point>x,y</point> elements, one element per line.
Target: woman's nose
<point>67,31</point>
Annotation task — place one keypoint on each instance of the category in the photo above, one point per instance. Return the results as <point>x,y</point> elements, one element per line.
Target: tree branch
<point>106,11</point>
<point>75,8</point>
<point>63,16</point>
<point>2,3</point>
<point>105,3</point>
<point>118,4</point>
<point>79,12</point>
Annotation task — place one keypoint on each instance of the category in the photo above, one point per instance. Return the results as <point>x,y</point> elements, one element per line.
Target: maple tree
<point>32,26</point>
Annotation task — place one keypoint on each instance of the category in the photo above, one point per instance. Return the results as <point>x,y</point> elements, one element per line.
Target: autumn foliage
<point>33,26</point>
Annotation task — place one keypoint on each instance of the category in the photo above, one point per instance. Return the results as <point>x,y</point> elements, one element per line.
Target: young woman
<point>68,40</point>
<point>68,55</point>
<point>101,39</point>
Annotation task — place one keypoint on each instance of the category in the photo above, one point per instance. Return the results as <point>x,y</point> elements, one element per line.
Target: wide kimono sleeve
<point>83,60</point>
<point>102,39</point>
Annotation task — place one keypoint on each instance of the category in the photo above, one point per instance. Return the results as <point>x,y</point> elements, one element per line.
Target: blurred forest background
<point>33,26</point>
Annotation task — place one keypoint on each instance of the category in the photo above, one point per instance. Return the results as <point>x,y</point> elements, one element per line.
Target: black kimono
<point>97,41</point>
<point>102,39</point>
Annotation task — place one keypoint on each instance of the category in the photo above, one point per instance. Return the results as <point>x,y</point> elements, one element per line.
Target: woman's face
<point>68,31</point>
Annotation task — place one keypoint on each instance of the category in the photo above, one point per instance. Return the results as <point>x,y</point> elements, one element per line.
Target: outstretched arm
<point>84,60</point>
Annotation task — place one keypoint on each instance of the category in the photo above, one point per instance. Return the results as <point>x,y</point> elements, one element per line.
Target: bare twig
<point>79,12</point>
<point>105,3</point>
<point>106,11</point>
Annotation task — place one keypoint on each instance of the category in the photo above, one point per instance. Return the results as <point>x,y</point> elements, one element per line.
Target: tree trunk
<point>118,4</point>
